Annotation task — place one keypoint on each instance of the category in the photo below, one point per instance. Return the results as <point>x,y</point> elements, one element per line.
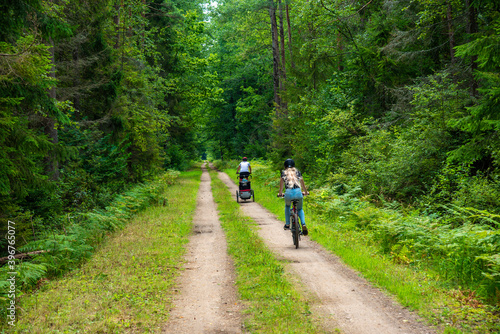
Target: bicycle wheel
<point>295,230</point>
<point>253,196</point>
<point>237,196</point>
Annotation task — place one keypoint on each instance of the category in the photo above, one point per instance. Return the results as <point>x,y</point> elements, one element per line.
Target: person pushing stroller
<point>244,168</point>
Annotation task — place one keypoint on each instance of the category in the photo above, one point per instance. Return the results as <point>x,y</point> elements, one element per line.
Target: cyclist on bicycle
<point>244,168</point>
<point>292,180</point>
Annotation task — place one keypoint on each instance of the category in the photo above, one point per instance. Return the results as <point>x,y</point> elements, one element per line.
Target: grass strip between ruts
<point>274,306</point>
<point>127,284</point>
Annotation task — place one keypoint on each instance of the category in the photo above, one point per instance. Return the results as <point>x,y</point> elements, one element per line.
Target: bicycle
<point>295,225</point>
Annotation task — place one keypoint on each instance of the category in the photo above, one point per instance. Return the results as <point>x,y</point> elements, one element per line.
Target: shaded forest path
<point>207,301</point>
<point>341,298</point>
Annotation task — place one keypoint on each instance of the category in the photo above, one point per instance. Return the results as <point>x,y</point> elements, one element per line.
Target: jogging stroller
<point>244,191</point>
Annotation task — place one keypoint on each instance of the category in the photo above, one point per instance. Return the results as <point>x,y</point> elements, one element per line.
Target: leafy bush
<point>177,157</point>
<point>226,164</point>
<point>455,186</point>
<point>479,192</point>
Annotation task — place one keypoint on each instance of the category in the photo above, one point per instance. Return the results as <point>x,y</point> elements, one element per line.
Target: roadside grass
<point>58,251</point>
<point>274,306</point>
<point>126,286</point>
<point>420,291</point>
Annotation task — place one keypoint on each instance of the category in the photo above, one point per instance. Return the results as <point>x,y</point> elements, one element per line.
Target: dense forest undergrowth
<point>390,107</point>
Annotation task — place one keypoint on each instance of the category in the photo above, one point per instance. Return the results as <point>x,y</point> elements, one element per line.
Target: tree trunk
<point>472,28</point>
<point>283,60</point>
<point>76,78</point>
<point>451,33</point>
<point>340,48</point>
<point>276,58</point>
<point>116,20</point>
<point>289,35</point>
<point>52,165</point>
<point>130,33</point>
<point>143,14</point>
<point>5,259</point>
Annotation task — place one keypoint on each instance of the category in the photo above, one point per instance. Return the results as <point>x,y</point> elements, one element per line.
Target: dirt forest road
<point>207,301</point>
<point>342,299</point>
